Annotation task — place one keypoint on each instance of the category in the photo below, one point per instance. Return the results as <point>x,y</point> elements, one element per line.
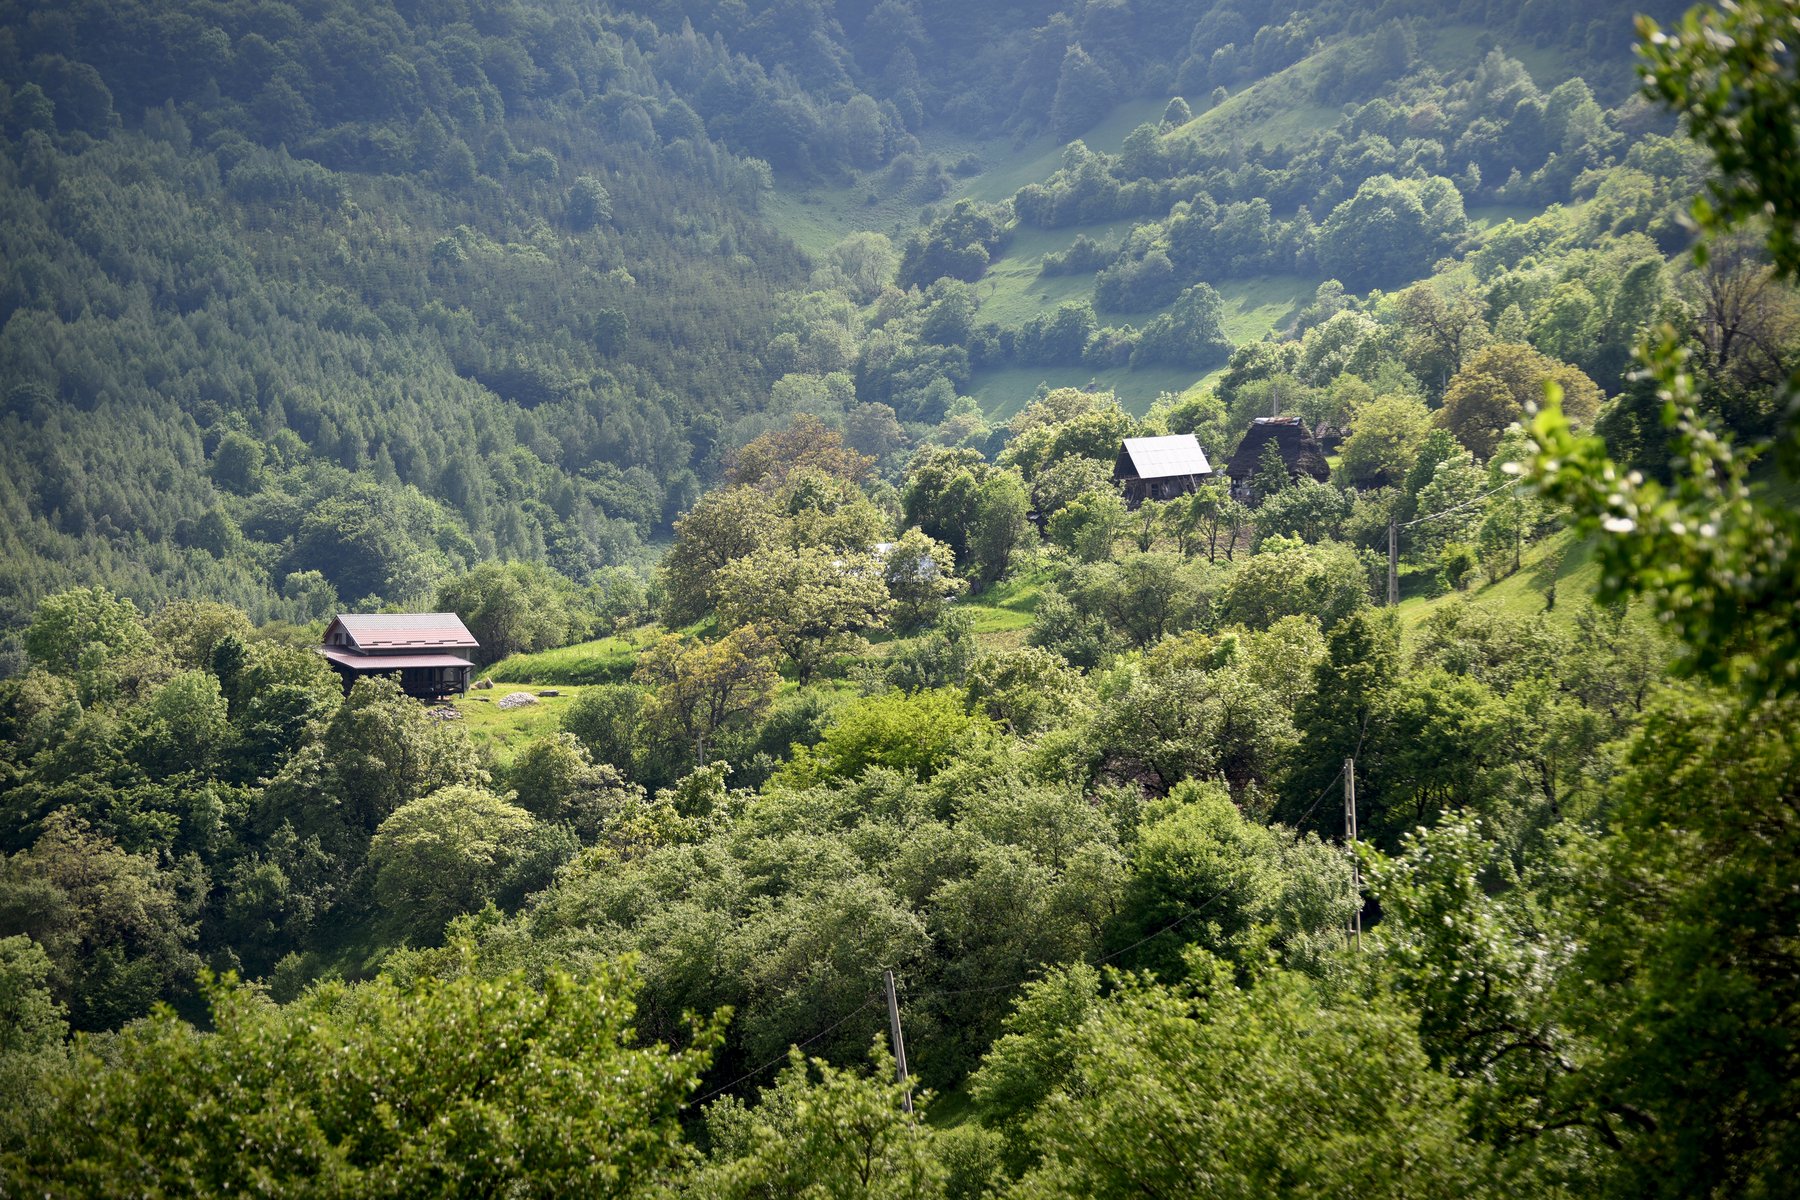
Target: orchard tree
<point>1066,480</point>
<point>998,527</point>
<point>808,599</point>
<point>514,608</point>
<point>920,576</point>
<point>1307,509</point>
<point>725,525</point>
<point>1088,527</point>
<point>1499,384</point>
<point>918,734</point>
<point>1439,330</point>
<point>703,688</point>
<point>118,930</point>
<point>445,853</point>
<point>807,443</point>
<point>558,781</point>
<point>190,630</point>
<point>1385,436</point>
<point>1391,230</point>
<point>1027,690</point>
<point>73,628</point>
<point>820,1130</point>
<point>1111,1108</point>
<point>1287,577</point>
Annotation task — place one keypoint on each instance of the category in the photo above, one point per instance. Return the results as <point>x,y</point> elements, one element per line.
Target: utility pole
<point>1393,562</point>
<point>1353,926</point>
<point>899,1042</point>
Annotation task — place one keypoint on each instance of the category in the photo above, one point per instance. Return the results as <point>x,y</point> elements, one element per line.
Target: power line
<point>752,1074</point>
<point>1306,816</point>
<point>1457,508</point>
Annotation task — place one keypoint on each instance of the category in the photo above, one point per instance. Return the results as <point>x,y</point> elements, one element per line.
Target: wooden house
<point>426,652</point>
<point>1300,451</point>
<point>1160,468</point>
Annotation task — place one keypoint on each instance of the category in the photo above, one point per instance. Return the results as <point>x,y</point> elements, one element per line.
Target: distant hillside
<point>309,306</point>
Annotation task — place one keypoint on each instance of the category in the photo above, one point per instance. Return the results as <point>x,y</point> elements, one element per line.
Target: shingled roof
<point>376,632</point>
<point>1163,457</point>
<point>1299,449</point>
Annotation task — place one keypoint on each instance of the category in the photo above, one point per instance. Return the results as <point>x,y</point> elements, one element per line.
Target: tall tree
<point>702,688</point>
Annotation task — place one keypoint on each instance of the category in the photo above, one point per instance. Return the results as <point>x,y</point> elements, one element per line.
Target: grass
<point>1012,290</point>
<point>1254,308</point>
<point>505,732</point>
<point>1560,560</point>
<point>1004,392</point>
<point>1251,309</point>
<point>607,660</point>
<point>1278,111</point>
<point>1012,165</point>
<point>1486,216</point>
<point>1008,606</point>
<point>817,214</point>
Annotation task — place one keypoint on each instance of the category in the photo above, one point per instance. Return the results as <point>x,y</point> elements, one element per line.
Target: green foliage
<point>1391,230</point>
<point>1728,73</point>
<point>1189,334</point>
<point>117,929</point>
<point>516,608</point>
<point>1306,509</point>
<point>1384,440</point>
<point>1713,561</point>
<point>1500,385</point>
<point>959,245</point>
<point>917,733</point>
<point>32,1028</point>
<point>381,1089</point>
<point>1144,596</point>
<point>822,1131</point>
<point>808,600</point>
<point>445,853</point>
<point>1088,527</point>
<point>1287,577</point>
<point>1230,884</point>
<point>556,780</point>
<point>919,573</point>
<point>703,688</point>
<point>1280,1056</point>
<point>78,630</point>
<point>975,508</point>
<point>1696,1071</point>
<point>1027,690</point>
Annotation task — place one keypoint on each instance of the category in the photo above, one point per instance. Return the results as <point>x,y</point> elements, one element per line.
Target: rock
<point>444,712</point>
<point>518,700</point>
<point>550,692</point>
<point>481,685</point>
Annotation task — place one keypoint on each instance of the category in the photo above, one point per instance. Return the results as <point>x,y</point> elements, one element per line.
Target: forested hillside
<point>1403,807</point>
<point>311,306</point>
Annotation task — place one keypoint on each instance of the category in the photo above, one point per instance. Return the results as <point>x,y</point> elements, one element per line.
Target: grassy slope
<point>1560,559</point>
<point>1276,111</point>
<point>504,732</point>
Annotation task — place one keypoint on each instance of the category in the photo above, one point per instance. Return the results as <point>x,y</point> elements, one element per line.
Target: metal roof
<point>392,662</point>
<point>1161,457</point>
<point>405,631</point>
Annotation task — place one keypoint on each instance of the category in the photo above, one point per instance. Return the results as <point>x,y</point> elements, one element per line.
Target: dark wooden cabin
<point>1300,450</point>
<point>424,651</point>
<point>1160,468</point>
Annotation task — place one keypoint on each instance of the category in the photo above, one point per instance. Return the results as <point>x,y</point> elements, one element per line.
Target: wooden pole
<point>899,1042</point>
<point>1353,927</point>
<point>1393,563</point>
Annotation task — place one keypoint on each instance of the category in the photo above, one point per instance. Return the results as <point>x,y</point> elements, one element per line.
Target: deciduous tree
<point>704,687</point>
